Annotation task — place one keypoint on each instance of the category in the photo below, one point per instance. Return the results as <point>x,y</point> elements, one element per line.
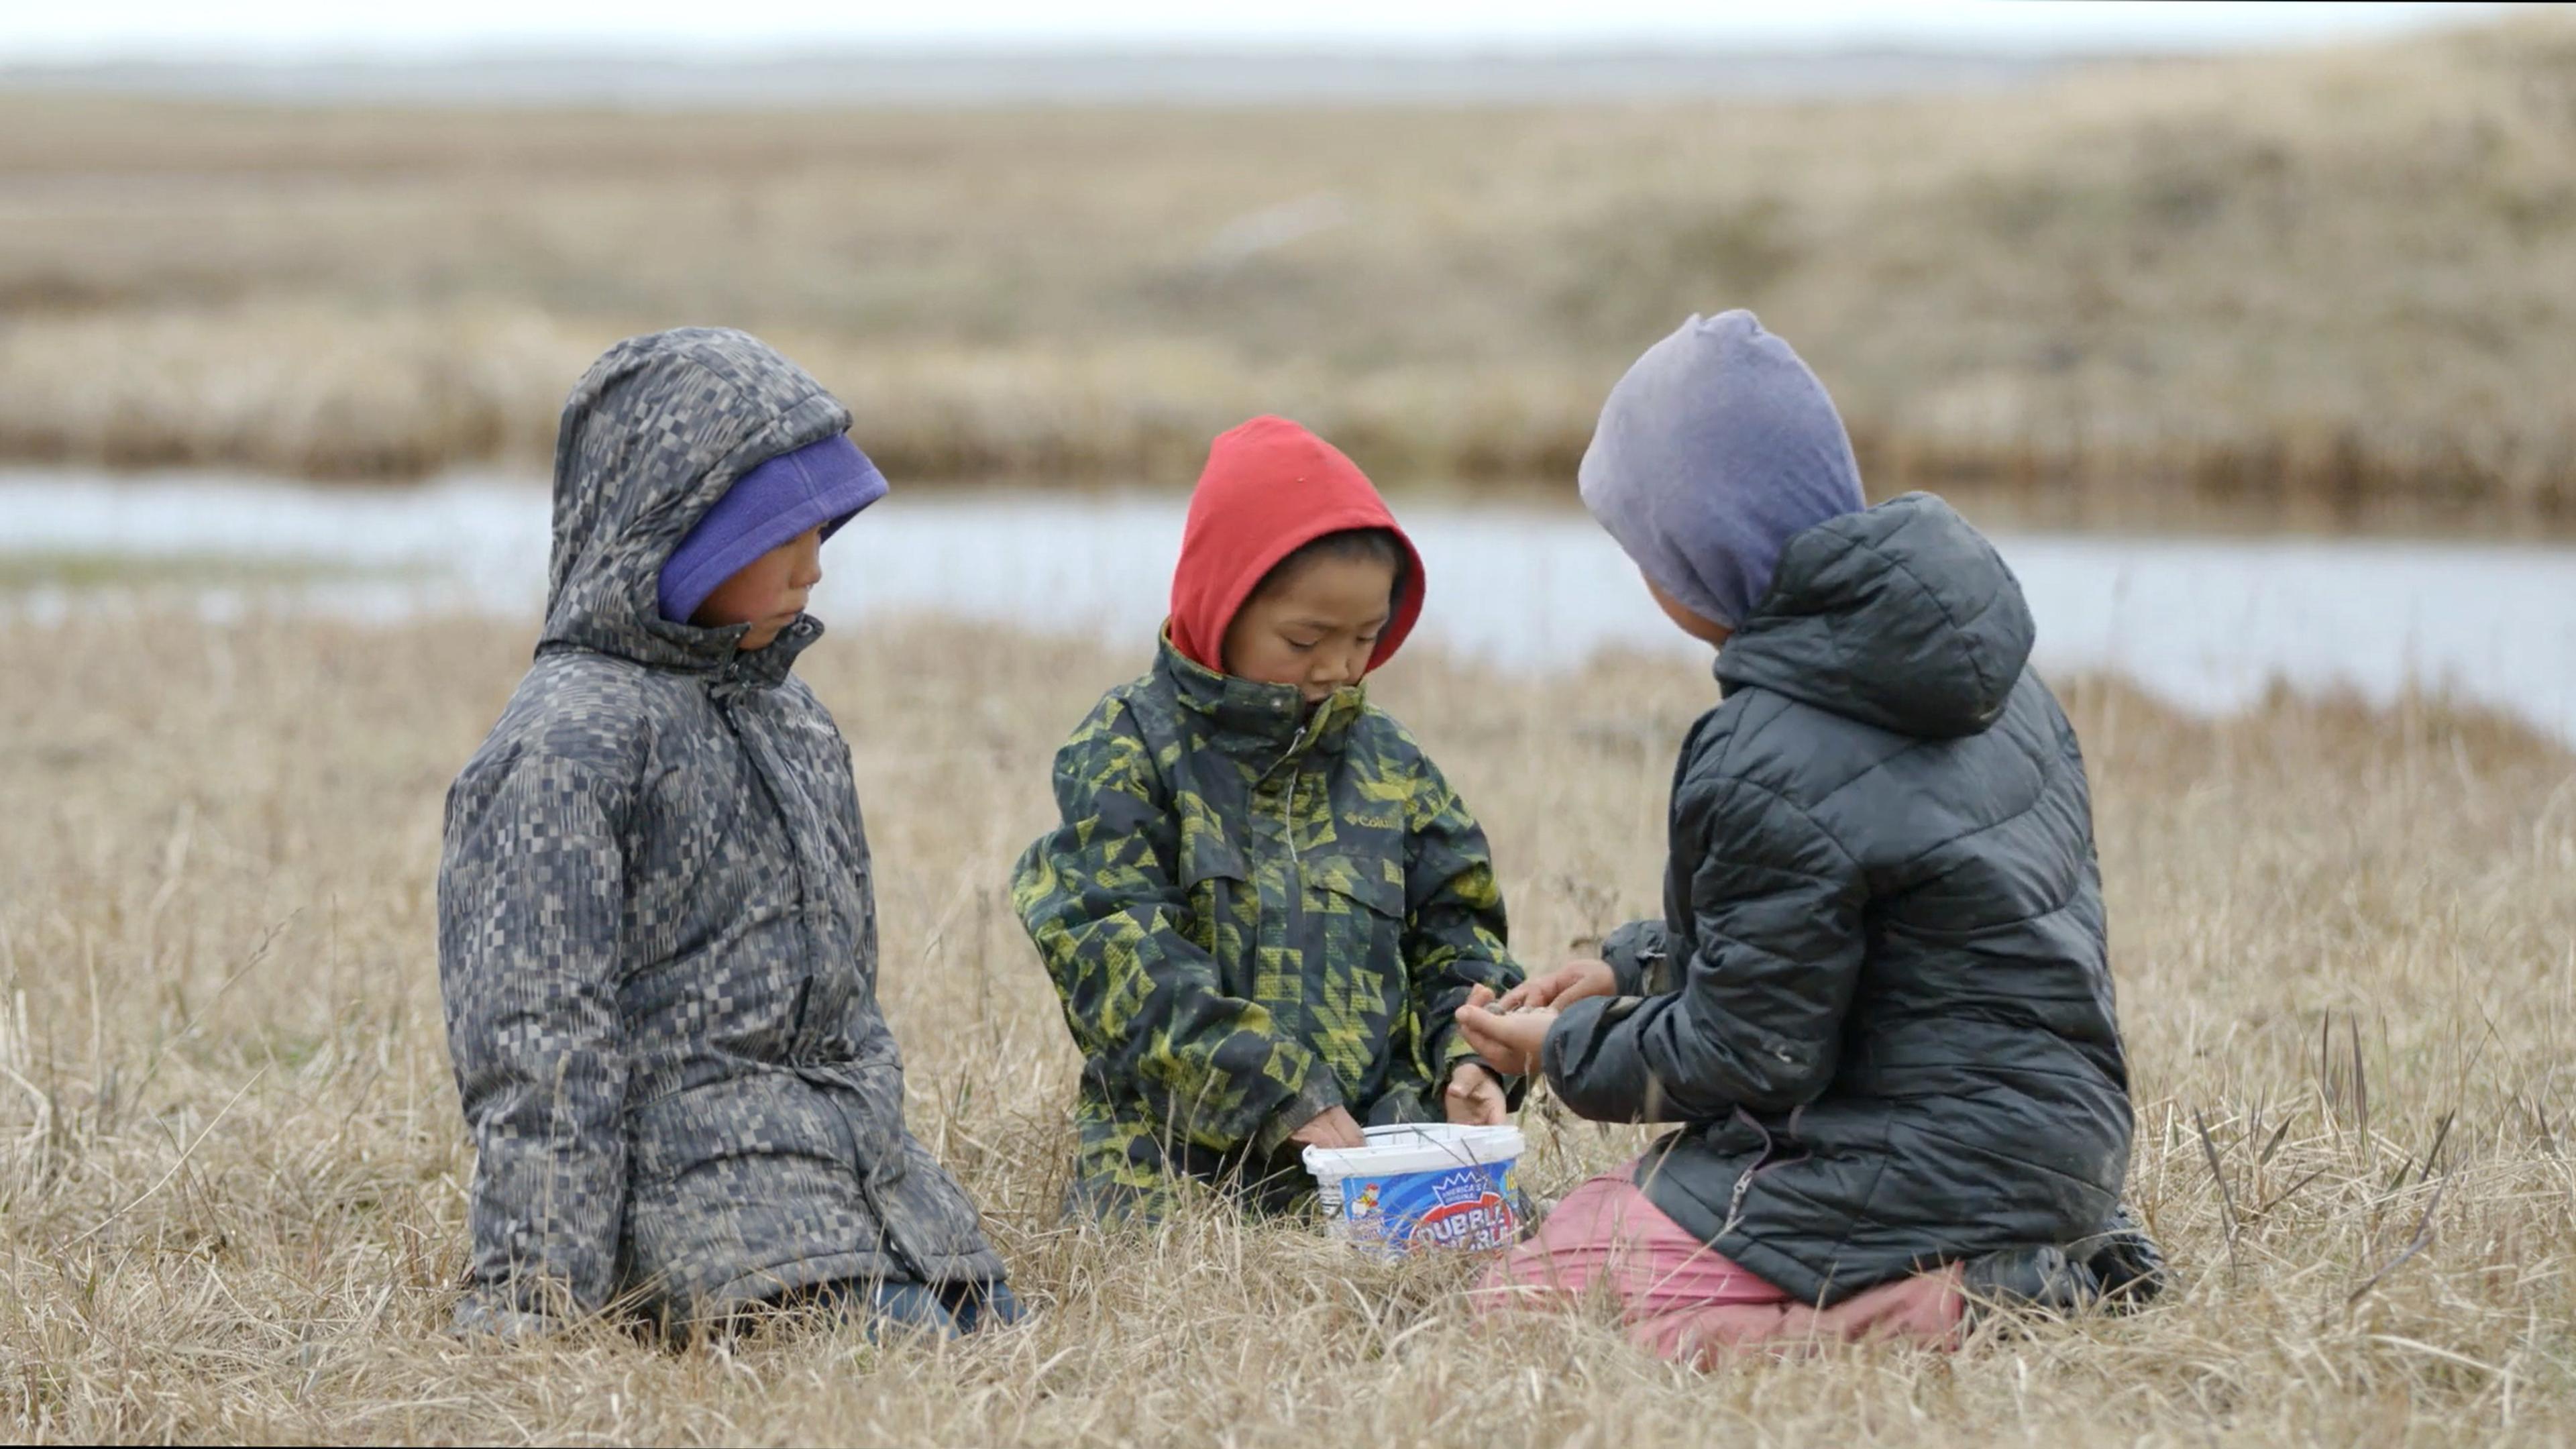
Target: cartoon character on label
<point>1462,1210</point>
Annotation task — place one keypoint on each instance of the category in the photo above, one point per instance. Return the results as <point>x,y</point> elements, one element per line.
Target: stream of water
<point>2207,622</point>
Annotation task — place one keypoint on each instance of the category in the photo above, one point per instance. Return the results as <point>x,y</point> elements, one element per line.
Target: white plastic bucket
<point>1422,1185</point>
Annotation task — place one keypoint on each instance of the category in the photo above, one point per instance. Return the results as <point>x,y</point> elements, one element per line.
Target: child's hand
<point>1510,1041</point>
<point>1562,987</point>
<point>1475,1097</point>
<point>1332,1127</point>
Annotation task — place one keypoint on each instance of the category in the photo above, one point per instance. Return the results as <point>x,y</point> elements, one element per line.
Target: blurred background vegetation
<point>2332,287</point>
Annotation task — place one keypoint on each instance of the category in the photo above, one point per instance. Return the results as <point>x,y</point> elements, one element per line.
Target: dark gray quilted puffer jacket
<point>657,932</point>
<point>1879,997</point>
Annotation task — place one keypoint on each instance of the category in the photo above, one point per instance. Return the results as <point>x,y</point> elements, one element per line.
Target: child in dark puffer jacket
<point>1878,1003</point>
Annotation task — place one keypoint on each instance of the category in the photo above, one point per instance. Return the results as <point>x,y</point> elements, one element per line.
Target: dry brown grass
<point>2313,286</point>
<point>230,1159</point>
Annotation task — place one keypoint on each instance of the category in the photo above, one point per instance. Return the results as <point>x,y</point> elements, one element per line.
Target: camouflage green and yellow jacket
<point>1253,913</point>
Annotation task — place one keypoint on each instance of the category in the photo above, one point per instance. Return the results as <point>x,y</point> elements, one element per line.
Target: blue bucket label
<point>1466,1207</point>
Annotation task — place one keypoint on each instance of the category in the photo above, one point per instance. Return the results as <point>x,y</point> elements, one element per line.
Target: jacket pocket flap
<point>1206,856</point>
<point>1374,882</point>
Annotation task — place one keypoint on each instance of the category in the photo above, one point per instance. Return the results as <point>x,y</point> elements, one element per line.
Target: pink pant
<point>1682,1301</point>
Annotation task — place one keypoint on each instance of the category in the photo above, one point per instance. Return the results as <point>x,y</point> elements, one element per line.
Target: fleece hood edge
<point>603,591</point>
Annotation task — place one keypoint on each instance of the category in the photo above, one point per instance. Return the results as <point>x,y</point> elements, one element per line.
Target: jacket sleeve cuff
<point>1637,952</point>
<point>1318,1096</point>
<point>1595,1067</point>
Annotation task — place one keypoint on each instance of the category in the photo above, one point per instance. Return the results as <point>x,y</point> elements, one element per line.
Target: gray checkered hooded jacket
<point>656,928</point>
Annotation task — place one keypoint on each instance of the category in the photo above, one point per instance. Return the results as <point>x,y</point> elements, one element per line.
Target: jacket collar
<point>1256,722</point>
<point>745,669</point>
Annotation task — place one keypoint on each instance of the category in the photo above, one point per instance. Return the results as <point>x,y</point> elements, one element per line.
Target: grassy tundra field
<point>231,1165</point>
<point>2331,287</point>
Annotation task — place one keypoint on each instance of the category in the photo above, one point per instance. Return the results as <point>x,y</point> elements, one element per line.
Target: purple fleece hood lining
<point>823,483</point>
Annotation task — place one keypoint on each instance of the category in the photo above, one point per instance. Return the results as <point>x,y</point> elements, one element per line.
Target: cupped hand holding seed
<point>1508,1039</point>
<point>1562,987</point>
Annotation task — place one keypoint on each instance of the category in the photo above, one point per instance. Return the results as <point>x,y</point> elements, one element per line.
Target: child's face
<point>769,592</point>
<point>1707,631</point>
<point>1315,628</point>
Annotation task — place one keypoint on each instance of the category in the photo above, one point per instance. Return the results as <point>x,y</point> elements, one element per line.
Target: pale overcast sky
<point>34,30</point>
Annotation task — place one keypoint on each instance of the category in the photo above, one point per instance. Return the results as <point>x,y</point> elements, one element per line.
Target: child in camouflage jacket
<point>1264,905</point>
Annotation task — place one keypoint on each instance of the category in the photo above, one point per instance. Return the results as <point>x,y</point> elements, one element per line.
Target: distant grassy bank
<point>2321,286</point>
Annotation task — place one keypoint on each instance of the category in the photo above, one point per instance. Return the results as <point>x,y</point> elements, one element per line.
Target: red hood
<point>1269,489</point>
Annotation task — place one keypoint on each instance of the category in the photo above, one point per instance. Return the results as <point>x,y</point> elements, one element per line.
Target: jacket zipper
<point>1288,817</point>
<point>1735,1201</point>
<point>1288,802</point>
<point>1762,1162</point>
<point>801,1045</point>
<point>1292,905</point>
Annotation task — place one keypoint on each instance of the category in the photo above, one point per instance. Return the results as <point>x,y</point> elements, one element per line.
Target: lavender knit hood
<point>1716,449</point>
